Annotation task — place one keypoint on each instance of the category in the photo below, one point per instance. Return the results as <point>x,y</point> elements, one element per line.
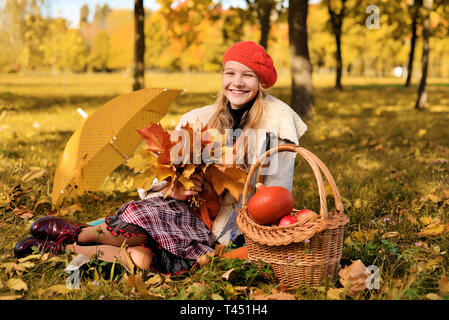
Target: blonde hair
<point>252,119</point>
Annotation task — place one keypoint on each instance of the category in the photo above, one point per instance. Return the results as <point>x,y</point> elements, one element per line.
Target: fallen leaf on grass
<point>205,259</point>
<point>432,230</point>
<point>136,282</point>
<point>433,296</point>
<point>31,257</point>
<point>56,289</point>
<point>11,297</point>
<point>23,212</point>
<point>426,220</point>
<point>196,290</point>
<point>391,234</point>
<point>10,266</point>
<point>275,295</point>
<point>354,276</point>
<point>443,286</point>
<point>71,209</point>
<point>336,293</point>
<point>16,284</point>
<point>219,249</point>
<point>41,203</point>
<point>230,275</point>
<point>155,280</point>
<point>35,173</point>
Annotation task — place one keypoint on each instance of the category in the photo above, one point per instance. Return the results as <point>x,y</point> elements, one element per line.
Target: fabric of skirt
<point>175,236</point>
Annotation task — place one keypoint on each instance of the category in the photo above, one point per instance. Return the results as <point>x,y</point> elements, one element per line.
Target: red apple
<point>287,220</point>
<point>305,213</point>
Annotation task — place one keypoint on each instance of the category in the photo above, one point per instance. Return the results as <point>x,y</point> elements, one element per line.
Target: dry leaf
<point>219,249</point>
<point>158,141</point>
<point>31,257</point>
<point>443,286</point>
<point>432,230</point>
<point>230,275</point>
<point>11,297</point>
<point>56,289</point>
<point>155,280</point>
<point>412,219</point>
<point>425,220</point>
<point>35,173</point>
<point>197,289</point>
<point>40,203</point>
<point>335,293</point>
<point>136,282</point>
<point>434,198</point>
<point>16,284</point>
<point>71,209</point>
<point>224,177</point>
<point>23,212</point>
<point>354,277</point>
<point>433,296</point>
<point>391,234</point>
<point>205,259</point>
<point>275,295</point>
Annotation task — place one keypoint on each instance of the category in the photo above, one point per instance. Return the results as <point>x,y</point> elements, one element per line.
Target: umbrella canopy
<point>106,139</point>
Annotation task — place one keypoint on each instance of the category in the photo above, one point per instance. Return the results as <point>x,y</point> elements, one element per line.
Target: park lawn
<point>389,161</point>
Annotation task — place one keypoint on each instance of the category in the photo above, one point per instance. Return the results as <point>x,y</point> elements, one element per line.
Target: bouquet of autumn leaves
<point>176,155</point>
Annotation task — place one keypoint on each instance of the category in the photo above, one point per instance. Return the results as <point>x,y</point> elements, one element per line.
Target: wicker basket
<point>307,251</point>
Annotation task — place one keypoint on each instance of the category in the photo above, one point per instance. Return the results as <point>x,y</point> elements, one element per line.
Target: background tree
<point>413,8</point>
<point>337,12</point>
<point>422,92</point>
<point>139,45</point>
<point>301,69</point>
<point>99,55</point>
<point>84,14</point>
<point>100,15</point>
<point>263,10</point>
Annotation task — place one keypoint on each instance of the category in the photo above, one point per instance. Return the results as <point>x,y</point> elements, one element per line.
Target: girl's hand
<point>180,193</point>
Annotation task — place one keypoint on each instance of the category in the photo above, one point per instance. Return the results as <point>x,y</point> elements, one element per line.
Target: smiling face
<point>240,84</point>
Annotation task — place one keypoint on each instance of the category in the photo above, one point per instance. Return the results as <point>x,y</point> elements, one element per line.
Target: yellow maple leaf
<point>230,178</point>
<point>144,181</point>
<point>432,230</point>
<point>426,220</point>
<point>185,176</point>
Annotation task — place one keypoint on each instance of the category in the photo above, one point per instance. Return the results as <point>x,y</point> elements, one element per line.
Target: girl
<point>162,234</point>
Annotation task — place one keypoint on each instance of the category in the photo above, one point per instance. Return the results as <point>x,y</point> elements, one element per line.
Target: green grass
<point>389,161</point>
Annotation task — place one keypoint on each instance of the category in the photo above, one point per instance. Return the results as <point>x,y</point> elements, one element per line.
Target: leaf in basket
<point>354,276</point>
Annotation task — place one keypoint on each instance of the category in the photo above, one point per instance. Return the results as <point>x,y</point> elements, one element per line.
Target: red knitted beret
<point>254,57</point>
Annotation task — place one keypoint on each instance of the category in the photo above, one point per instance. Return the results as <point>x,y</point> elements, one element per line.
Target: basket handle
<point>315,164</point>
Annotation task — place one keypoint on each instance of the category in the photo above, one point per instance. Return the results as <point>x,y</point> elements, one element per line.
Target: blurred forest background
<point>193,35</point>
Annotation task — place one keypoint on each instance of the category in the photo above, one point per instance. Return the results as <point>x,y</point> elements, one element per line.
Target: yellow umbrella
<point>106,139</point>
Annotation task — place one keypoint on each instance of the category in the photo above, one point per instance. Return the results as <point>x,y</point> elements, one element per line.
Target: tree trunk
<point>264,15</point>
<point>139,45</point>
<point>412,45</point>
<point>422,92</point>
<point>301,69</point>
<point>339,61</point>
<point>337,23</point>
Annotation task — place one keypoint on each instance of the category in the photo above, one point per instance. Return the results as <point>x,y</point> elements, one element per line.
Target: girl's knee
<point>140,256</point>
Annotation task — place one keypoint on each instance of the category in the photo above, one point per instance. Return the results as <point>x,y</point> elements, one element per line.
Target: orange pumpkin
<point>269,204</point>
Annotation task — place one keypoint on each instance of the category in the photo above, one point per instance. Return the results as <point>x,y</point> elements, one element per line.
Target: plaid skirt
<point>175,236</point>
